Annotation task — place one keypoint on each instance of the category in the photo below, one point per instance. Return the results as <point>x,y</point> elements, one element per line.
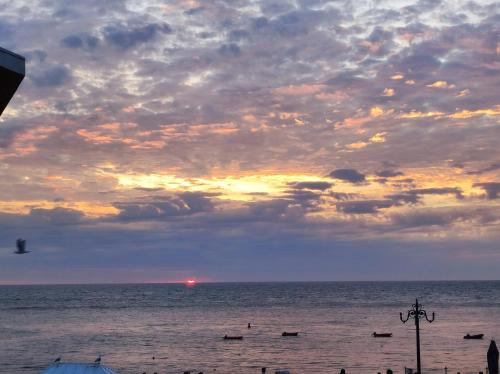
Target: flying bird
<point>21,247</point>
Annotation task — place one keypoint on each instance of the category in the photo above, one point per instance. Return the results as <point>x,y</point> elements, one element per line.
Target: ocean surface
<point>182,327</point>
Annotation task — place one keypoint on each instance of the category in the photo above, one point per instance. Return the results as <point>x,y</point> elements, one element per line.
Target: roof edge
<point>12,61</point>
<point>12,53</point>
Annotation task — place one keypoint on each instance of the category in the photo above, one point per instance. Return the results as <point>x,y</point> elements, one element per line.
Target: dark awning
<point>12,70</point>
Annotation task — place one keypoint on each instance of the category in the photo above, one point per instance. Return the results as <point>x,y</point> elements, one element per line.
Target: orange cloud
<point>288,115</point>
<point>155,144</point>
<point>415,114</point>
<point>378,137</point>
<point>129,109</point>
<point>110,126</point>
<point>463,114</point>
<point>336,96</point>
<point>355,121</point>
<point>376,111</point>
<point>249,118</point>
<point>440,84</point>
<point>495,111</point>
<point>38,133</point>
<point>388,92</point>
<point>357,145</point>
<point>303,89</point>
<point>94,136</point>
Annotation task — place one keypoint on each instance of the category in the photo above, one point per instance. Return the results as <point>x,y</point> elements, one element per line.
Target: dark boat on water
<point>227,337</point>
<point>476,336</point>
<point>290,334</point>
<point>382,335</point>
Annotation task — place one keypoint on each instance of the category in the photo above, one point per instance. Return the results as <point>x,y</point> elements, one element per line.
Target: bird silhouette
<point>21,247</point>
<point>98,360</point>
<point>57,360</point>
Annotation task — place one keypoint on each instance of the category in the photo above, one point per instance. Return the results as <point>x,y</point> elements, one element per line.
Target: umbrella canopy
<point>74,368</point>
<point>492,358</point>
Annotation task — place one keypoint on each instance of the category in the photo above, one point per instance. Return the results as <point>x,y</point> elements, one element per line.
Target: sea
<point>172,328</point>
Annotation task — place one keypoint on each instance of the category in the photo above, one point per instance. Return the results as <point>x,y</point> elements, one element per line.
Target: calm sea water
<point>182,327</point>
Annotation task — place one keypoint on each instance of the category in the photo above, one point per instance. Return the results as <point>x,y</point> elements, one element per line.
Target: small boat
<point>382,335</point>
<point>476,336</point>
<point>290,334</point>
<point>227,337</point>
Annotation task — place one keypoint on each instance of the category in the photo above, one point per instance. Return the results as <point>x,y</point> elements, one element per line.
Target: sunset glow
<point>252,140</point>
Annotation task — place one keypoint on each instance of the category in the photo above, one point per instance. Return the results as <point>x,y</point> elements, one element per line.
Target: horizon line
<point>246,282</point>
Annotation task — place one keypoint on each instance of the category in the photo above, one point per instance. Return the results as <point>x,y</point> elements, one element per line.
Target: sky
<point>244,140</point>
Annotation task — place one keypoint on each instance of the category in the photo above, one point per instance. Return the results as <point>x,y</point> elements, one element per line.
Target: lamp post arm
<point>406,319</point>
<point>427,318</point>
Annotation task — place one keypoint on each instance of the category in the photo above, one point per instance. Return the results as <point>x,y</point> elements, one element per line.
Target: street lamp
<point>416,312</point>
<point>12,71</point>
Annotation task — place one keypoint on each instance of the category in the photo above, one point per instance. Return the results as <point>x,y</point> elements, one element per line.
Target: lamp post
<point>416,312</point>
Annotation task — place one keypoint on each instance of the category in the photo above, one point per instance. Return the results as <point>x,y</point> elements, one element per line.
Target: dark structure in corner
<point>12,70</point>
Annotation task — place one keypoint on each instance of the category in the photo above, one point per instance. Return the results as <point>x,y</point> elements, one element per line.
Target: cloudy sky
<point>160,140</point>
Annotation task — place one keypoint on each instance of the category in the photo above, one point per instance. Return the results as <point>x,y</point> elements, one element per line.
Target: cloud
<point>125,36</point>
<point>420,65</point>
<point>387,173</point>
<point>492,189</point>
<point>363,206</point>
<point>272,210</point>
<point>443,217</point>
<point>42,218</point>
<point>408,197</point>
<point>319,185</point>
<point>51,77</point>
<point>80,41</point>
<point>404,198</point>
<point>438,191</point>
<point>194,11</point>
<point>493,167</point>
<point>230,50</point>
<point>5,29</point>
<point>413,196</point>
<point>238,35</point>
<point>8,133</point>
<point>55,216</point>
<point>259,22</point>
<point>440,84</point>
<point>343,195</point>
<point>72,41</point>
<point>184,204</point>
<point>246,105</point>
<point>348,175</point>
